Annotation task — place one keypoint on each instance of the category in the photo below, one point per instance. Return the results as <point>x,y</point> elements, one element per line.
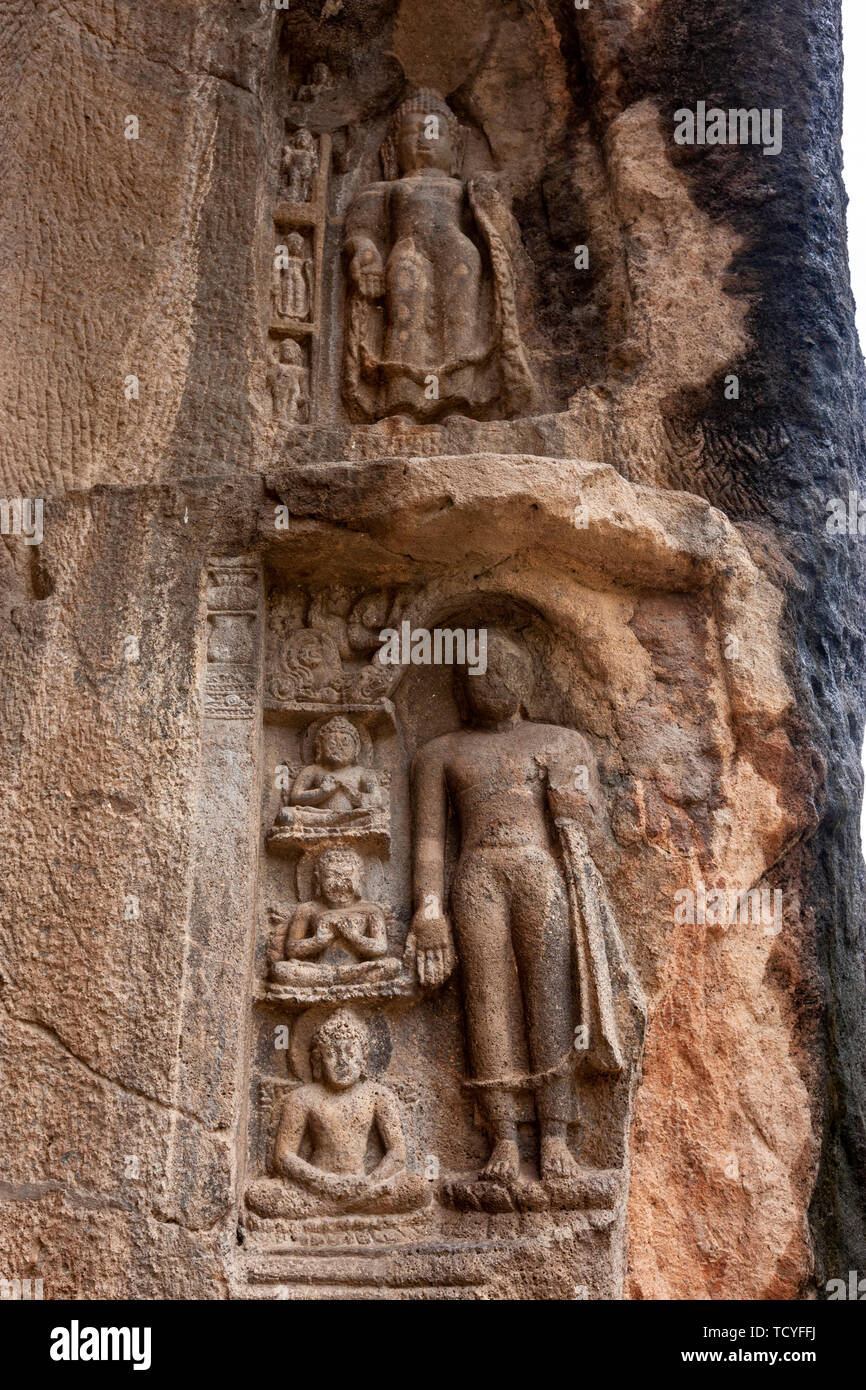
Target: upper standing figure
<point>431,321</point>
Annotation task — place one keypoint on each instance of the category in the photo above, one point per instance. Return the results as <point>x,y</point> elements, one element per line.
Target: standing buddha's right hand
<point>431,937</point>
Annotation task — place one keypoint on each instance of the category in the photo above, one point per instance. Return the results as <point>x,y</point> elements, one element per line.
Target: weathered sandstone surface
<point>312,355</point>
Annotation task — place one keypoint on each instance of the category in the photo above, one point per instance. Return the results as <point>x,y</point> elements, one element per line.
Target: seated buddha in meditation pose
<point>336,787</point>
<point>338,1113</point>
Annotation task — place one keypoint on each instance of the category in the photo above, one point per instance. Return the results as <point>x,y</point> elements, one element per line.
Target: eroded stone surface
<point>307,948</point>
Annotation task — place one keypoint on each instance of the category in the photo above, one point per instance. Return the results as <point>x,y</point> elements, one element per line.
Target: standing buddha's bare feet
<point>556,1160</point>
<point>503,1165</point>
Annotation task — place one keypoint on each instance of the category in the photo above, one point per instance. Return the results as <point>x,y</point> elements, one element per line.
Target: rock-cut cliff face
<point>431,614</point>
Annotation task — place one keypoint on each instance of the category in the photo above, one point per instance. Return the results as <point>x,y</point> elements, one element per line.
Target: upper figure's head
<point>423,133</point>
<point>338,743</point>
<point>339,876</point>
<point>290,353</point>
<point>502,690</point>
<point>339,1051</point>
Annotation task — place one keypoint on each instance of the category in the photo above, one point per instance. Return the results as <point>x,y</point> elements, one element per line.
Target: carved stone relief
<point>300,166</point>
<point>439,894</point>
<point>289,383</point>
<point>324,647</point>
<point>295,314</point>
<point>336,794</point>
<point>466,859</point>
<point>470,271</point>
<point>431,323</point>
<point>395,238</point>
<point>339,1110</point>
<point>338,328</point>
<point>233,605</point>
<point>516,902</point>
<point>382,877</point>
<point>338,937</point>
<point>293,281</point>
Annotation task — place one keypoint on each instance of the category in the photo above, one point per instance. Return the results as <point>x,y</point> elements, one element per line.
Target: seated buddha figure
<point>336,788</point>
<point>339,936</point>
<point>338,1113</point>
